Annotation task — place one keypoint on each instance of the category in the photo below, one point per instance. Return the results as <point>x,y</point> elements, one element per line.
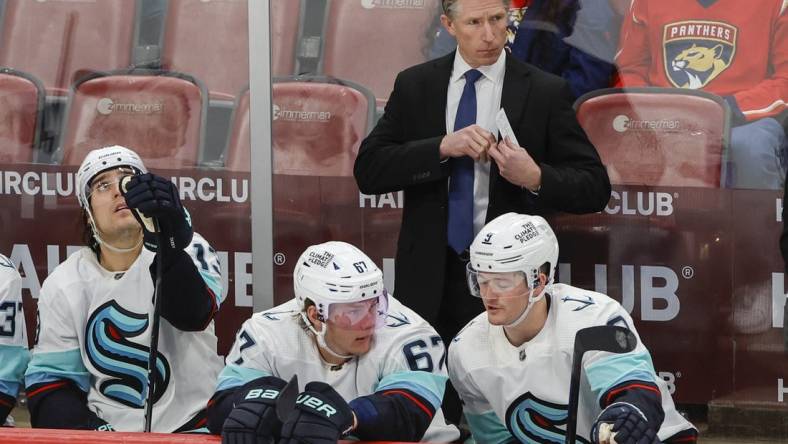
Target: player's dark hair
<point>301,322</point>
<point>87,233</point>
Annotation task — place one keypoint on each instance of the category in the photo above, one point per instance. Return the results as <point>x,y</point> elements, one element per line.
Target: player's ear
<point>542,279</point>
<point>448,23</point>
<point>311,314</point>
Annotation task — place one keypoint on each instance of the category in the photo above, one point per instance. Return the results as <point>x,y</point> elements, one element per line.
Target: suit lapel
<point>514,95</point>
<point>515,90</point>
<point>434,89</point>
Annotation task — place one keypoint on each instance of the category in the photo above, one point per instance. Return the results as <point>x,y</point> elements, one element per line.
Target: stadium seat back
<point>209,40</point>
<point>161,117</point>
<point>370,41</point>
<point>317,128</point>
<point>285,17</point>
<point>657,136</point>
<point>54,40</point>
<point>21,107</point>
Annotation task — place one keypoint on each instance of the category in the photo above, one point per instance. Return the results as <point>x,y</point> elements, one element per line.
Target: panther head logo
<point>697,51</point>
<point>700,64</point>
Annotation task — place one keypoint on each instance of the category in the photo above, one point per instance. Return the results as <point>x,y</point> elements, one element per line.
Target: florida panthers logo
<point>112,353</point>
<point>530,419</point>
<point>697,52</point>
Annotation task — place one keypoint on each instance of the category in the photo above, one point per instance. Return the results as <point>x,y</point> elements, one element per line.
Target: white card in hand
<point>504,127</point>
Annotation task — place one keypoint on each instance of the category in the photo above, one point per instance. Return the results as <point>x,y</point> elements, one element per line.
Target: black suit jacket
<point>402,153</point>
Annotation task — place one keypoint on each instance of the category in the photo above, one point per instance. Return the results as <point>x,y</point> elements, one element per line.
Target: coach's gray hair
<point>450,6</point>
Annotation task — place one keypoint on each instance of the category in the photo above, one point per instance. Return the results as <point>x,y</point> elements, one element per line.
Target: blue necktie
<point>460,227</point>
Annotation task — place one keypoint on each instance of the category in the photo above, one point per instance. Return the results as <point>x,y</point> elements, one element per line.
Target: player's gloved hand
<point>321,416</point>
<point>253,419</point>
<point>157,197</point>
<point>623,423</point>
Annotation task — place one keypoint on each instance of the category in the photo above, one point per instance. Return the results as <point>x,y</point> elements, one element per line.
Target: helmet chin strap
<point>104,243</point>
<point>321,338</point>
<point>531,302</point>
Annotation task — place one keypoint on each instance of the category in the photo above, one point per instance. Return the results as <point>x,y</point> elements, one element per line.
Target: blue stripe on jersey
<point>55,366</point>
<point>13,362</point>
<point>9,388</point>
<point>234,376</point>
<point>214,283</point>
<point>427,385</point>
<point>615,369</point>
<point>487,428</point>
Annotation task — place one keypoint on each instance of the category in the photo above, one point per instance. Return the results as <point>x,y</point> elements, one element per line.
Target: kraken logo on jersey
<point>112,353</point>
<point>530,419</point>
<point>696,52</point>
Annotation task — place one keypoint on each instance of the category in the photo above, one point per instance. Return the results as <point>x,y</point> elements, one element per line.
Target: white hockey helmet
<point>515,242</point>
<point>344,284</point>
<point>102,159</point>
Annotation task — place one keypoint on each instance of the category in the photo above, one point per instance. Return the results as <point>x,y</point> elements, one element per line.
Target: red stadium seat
<point>209,40</point>
<point>370,41</point>
<point>21,107</point>
<point>285,15</point>
<point>317,128</point>
<point>657,136</point>
<point>161,117</point>
<point>56,39</point>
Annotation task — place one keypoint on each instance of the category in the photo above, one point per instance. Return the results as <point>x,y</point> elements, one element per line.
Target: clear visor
<point>107,180</point>
<point>363,315</point>
<point>507,284</point>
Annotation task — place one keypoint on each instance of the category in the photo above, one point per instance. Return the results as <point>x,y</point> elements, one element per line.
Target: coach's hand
<point>516,165</point>
<point>253,419</point>
<point>472,141</point>
<point>321,416</point>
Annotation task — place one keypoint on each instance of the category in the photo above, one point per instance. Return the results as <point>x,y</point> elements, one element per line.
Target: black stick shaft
<point>574,395</point>
<point>154,334</point>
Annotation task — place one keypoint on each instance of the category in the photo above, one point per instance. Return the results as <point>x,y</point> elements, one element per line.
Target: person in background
<point>736,50</point>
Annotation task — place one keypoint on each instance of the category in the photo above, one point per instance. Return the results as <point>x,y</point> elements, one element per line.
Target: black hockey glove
<point>321,416</point>
<point>624,423</point>
<point>157,197</point>
<point>253,418</point>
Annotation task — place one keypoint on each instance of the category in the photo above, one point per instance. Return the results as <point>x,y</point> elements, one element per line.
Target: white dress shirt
<point>488,102</point>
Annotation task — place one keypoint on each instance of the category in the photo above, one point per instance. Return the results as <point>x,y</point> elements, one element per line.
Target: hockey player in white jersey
<point>375,370</point>
<point>89,365</point>
<point>13,337</point>
<point>511,364</point>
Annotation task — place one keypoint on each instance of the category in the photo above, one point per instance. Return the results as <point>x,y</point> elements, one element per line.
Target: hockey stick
<point>151,225</point>
<point>154,334</point>
<point>608,338</point>
<point>287,399</point>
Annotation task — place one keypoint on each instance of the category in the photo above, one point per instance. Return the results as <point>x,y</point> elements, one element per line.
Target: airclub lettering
<point>388,200</point>
<point>658,288</point>
<point>642,203</point>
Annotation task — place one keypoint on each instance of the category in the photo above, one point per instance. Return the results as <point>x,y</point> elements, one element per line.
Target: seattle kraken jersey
<point>13,337</point>
<point>523,392</point>
<point>405,353</point>
<point>95,331</point>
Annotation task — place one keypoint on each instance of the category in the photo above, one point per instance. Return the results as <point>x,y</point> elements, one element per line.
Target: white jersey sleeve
<point>13,336</point>
<point>56,355</point>
<point>207,262</point>
<point>254,346</point>
<point>413,355</point>
<point>485,425</point>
